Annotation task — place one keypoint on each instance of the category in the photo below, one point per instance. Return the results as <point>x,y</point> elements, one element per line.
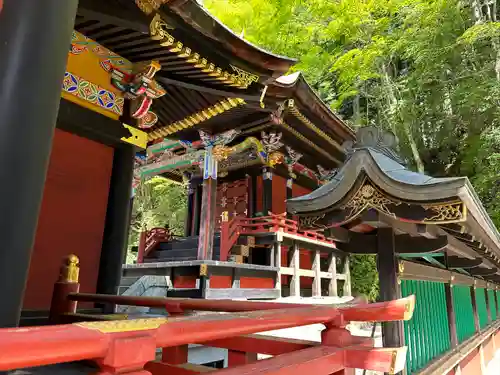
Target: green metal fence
<point>482,310</point>
<point>493,306</point>
<point>427,334</point>
<point>464,314</point>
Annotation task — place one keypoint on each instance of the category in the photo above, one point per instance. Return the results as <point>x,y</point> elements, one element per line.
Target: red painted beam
<point>237,358</point>
<point>200,329</point>
<point>27,347</point>
<point>388,360</point>
<point>158,368</point>
<point>262,344</point>
<point>401,309</point>
<point>320,360</point>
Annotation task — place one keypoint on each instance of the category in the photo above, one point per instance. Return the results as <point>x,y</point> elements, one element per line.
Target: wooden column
<point>474,307</point>
<point>252,195</point>
<point>316,266</point>
<point>114,244</point>
<point>450,309</point>
<point>488,302</point>
<point>267,191</point>
<point>34,41</point>
<point>496,302</point>
<point>387,264</point>
<point>294,261</point>
<point>277,264</point>
<point>197,198</point>
<point>188,225</point>
<point>207,220</point>
<point>332,268</point>
<point>289,193</point>
<point>347,273</point>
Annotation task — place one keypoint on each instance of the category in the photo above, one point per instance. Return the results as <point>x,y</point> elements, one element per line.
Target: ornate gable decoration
<point>384,142</point>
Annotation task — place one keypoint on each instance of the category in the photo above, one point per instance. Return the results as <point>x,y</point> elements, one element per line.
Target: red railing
<point>231,230</point>
<point>148,241</point>
<point>229,234</point>
<point>129,346</point>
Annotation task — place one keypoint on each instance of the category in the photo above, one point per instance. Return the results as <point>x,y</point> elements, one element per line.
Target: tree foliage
<point>364,275</point>
<point>158,202</point>
<point>429,70</point>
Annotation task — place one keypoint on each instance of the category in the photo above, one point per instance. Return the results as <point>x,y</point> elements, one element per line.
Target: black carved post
<point>188,225</point>
<point>488,303</point>
<point>387,263</point>
<point>474,307</point>
<point>114,244</point>
<point>198,192</point>
<point>267,191</point>
<point>450,309</point>
<point>34,42</point>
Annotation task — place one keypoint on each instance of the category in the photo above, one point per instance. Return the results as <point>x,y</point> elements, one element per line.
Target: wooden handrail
<point>103,341</point>
<point>400,309</point>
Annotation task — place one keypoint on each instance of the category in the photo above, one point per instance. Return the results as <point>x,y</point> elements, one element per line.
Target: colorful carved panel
<point>87,79</point>
<point>85,92</point>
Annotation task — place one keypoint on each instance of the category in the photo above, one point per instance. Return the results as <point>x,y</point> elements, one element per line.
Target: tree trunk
<point>393,108</point>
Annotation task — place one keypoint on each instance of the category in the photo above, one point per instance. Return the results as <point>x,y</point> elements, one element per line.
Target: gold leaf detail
<point>368,197</point>
<point>446,213</point>
<point>244,78</point>
<point>124,325</point>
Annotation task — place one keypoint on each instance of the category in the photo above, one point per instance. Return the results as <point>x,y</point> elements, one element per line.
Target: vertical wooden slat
<point>332,268</point>
<point>316,287</point>
<point>277,260</point>
<point>389,289</point>
<point>347,272</point>
<point>474,308</point>
<point>295,264</point>
<point>450,310</point>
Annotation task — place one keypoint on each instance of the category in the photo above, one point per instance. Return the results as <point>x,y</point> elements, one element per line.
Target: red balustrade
<point>232,230</point>
<point>129,346</point>
<point>148,241</point>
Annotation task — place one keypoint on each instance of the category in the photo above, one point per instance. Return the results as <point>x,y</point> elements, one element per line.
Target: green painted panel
<point>427,334</point>
<point>482,310</point>
<point>493,306</point>
<point>464,315</point>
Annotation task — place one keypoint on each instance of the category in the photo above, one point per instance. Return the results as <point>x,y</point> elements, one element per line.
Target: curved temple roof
<point>200,19</point>
<point>374,178</point>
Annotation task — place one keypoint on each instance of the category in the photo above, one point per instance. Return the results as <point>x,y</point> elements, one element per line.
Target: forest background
<point>429,70</point>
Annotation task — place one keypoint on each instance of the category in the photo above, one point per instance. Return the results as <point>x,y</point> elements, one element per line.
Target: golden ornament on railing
<point>70,269</point>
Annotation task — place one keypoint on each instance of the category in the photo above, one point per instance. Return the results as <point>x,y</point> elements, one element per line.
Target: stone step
<point>127,281</point>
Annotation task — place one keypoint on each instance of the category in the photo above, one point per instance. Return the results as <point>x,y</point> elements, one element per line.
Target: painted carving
<point>108,59</point>
<point>325,174</point>
<point>271,141</point>
<point>90,92</point>
<point>140,87</point>
<point>212,143</point>
<point>270,159</point>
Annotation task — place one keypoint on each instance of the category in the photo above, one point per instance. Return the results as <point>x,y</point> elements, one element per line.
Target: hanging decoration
<point>210,141</point>
<point>140,87</point>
